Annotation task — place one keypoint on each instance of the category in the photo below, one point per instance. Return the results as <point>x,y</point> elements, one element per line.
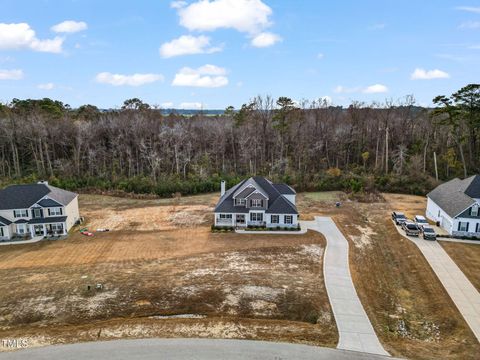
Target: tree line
<point>390,146</point>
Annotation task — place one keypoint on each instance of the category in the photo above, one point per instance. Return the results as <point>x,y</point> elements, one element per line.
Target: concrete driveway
<point>355,330</point>
<point>173,349</point>
<point>463,293</point>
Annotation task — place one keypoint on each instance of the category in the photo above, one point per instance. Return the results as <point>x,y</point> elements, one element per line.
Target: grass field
<point>153,264</point>
<point>467,257</point>
<point>411,312</point>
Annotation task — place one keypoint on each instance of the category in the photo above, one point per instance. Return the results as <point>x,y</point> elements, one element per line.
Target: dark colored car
<point>429,233</point>
<point>399,217</point>
<point>411,229</point>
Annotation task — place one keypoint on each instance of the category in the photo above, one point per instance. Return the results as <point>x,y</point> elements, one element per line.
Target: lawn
<point>154,264</point>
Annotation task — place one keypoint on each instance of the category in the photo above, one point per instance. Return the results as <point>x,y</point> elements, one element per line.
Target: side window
<point>474,210</point>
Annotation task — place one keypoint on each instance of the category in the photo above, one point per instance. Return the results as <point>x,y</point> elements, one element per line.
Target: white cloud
<point>191,105</point>
<point>167,105</point>
<point>375,89</point>
<point>46,86</point>
<point>178,4</point>
<point>372,89</point>
<point>69,26</point>
<point>470,25</point>
<point>22,36</point>
<point>320,56</point>
<point>187,45</point>
<point>248,16</point>
<point>422,74</point>
<point>345,90</point>
<point>208,76</point>
<point>471,9</point>
<point>11,74</point>
<point>265,39</point>
<point>130,80</point>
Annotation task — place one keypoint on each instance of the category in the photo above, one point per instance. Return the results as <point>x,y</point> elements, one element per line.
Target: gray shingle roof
<point>277,203</point>
<point>282,206</point>
<point>48,203</point>
<point>453,197</point>
<point>4,221</point>
<point>24,196</point>
<point>284,189</point>
<point>247,191</point>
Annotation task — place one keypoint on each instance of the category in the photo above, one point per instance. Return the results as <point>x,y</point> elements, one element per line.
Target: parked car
<point>429,233</point>
<point>411,229</point>
<point>398,217</point>
<point>420,220</point>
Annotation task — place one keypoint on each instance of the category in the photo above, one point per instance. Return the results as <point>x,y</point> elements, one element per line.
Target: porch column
<point>32,230</point>
<point>44,230</point>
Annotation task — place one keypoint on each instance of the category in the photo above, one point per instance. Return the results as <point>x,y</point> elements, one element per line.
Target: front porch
<point>48,230</point>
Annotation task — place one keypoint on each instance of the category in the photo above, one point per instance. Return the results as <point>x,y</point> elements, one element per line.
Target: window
<point>288,219</point>
<point>463,226</point>
<point>57,227</point>
<point>256,203</point>
<point>21,228</point>
<point>474,210</point>
<point>225,216</point>
<point>239,202</point>
<point>275,219</point>
<point>55,211</point>
<point>20,213</point>
<point>37,213</point>
<point>1,232</point>
<point>256,216</point>
<point>478,228</point>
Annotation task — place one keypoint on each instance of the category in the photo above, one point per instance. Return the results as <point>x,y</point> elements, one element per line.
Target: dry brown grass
<point>410,310</point>
<point>261,283</point>
<point>467,257</point>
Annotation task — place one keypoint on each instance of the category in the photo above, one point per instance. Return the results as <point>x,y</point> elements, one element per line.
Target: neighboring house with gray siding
<point>256,202</point>
<point>36,210</point>
<point>455,205</point>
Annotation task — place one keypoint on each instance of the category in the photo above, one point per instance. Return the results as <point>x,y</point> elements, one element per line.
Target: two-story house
<point>455,205</point>
<point>258,202</point>
<point>36,210</point>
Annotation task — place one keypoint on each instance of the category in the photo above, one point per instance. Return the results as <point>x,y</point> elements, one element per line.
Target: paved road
<point>463,293</point>
<point>355,330</point>
<point>173,349</point>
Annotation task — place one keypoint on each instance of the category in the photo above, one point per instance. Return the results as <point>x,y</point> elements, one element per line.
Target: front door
<point>240,219</point>
<point>38,230</point>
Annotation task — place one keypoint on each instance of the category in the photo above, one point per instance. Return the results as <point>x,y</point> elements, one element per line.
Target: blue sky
<point>215,53</point>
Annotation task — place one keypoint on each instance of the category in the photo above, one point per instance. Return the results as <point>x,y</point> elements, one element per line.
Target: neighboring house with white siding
<point>256,202</point>
<point>455,205</point>
<point>36,210</point>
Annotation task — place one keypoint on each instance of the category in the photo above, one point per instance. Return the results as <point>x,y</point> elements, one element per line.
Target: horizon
<point>202,54</point>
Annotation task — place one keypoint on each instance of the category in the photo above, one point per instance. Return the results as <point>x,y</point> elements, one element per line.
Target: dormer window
<point>240,202</point>
<point>474,211</point>
<point>256,203</point>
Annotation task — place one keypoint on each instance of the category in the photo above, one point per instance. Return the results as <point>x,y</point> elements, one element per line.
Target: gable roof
<point>455,195</point>
<point>48,203</point>
<point>245,192</point>
<point>24,196</point>
<point>277,203</point>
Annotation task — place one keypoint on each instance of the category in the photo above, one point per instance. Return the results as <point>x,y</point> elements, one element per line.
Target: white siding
<point>281,220</point>
<point>435,213</point>
<point>72,213</point>
<point>290,198</point>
